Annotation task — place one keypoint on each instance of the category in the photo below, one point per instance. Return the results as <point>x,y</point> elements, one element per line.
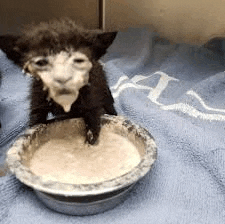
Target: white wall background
<point>192,21</point>
<point>14,13</point>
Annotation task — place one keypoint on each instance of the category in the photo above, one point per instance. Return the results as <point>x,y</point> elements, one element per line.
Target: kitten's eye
<point>79,60</point>
<point>42,62</point>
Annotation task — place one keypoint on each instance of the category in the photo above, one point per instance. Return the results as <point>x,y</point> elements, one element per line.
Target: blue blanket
<point>177,92</point>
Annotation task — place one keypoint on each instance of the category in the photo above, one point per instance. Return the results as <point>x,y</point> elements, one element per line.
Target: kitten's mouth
<point>63,92</point>
<point>64,98</point>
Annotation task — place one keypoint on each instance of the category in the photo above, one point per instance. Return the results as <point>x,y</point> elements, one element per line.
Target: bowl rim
<point>89,203</point>
<point>65,189</point>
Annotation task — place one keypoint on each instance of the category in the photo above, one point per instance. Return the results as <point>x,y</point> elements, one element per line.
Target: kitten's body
<point>68,79</point>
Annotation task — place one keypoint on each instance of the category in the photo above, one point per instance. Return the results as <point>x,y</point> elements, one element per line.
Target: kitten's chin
<point>65,100</point>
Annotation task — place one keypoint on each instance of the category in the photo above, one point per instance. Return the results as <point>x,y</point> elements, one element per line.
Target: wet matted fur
<point>68,80</point>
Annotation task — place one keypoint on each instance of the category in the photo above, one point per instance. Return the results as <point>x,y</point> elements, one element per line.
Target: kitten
<point>68,79</point>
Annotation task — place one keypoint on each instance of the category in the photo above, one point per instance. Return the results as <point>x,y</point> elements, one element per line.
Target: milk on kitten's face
<point>62,74</point>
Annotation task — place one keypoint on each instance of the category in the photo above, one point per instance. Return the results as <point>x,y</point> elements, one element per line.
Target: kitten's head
<point>59,53</point>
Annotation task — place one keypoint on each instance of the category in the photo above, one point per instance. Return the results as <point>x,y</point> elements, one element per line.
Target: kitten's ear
<point>102,41</point>
<point>106,39</point>
<point>9,47</point>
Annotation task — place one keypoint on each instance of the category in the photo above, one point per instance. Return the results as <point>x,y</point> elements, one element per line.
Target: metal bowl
<point>81,199</point>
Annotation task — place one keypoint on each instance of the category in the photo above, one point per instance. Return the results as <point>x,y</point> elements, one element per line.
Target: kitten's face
<point>59,53</point>
<point>62,74</point>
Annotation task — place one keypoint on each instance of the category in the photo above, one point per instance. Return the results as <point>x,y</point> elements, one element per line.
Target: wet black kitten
<point>68,79</point>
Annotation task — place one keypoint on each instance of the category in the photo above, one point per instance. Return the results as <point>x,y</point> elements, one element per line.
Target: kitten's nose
<point>63,80</point>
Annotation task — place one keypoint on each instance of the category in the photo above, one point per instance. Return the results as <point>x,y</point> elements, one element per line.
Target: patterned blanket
<point>177,92</point>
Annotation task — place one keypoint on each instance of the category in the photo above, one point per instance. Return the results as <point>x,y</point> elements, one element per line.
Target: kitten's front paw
<point>91,138</point>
